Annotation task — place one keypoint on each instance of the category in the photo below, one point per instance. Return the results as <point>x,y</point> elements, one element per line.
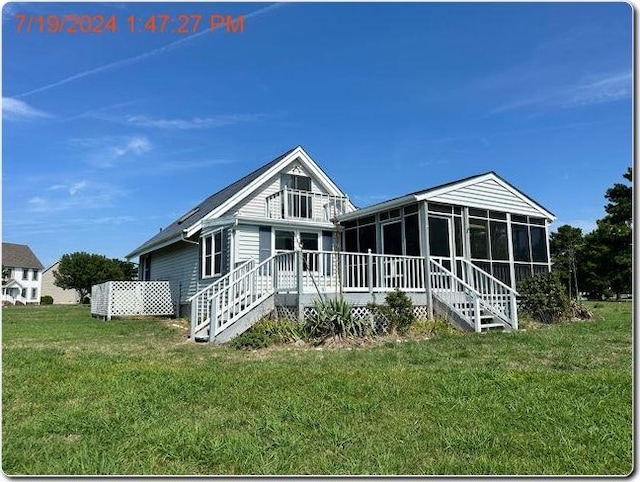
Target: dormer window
<point>292,181</point>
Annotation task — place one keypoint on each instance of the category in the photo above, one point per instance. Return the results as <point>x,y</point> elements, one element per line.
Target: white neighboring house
<point>60,296</point>
<point>21,274</point>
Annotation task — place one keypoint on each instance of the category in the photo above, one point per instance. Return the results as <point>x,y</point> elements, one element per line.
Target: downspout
<point>182,238</point>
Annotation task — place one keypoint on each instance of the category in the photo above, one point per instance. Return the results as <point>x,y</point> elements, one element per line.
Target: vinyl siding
<point>487,195</point>
<point>59,295</point>
<point>177,264</point>
<point>247,243</point>
<point>256,205</point>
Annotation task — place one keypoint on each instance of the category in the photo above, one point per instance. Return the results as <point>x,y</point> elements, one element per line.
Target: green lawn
<point>82,396</point>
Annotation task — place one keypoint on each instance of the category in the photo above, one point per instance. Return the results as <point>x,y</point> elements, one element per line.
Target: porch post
<point>512,266</point>
<point>370,273</point>
<point>299,271</point>
<point>424,249</point>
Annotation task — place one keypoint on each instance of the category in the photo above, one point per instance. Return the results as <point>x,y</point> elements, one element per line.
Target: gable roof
<point>19,256</point>
<point>470,187</point>
<point>216,204</point>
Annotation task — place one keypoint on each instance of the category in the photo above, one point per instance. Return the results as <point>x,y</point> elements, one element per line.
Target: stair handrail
<point>223,279</point>
<point>490,297</point>
<point>252,288</point>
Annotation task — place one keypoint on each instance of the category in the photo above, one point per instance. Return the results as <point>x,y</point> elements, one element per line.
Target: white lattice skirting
<point>131,298</point>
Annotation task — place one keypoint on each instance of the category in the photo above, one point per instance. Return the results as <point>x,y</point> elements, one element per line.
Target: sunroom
<point>482,220</point>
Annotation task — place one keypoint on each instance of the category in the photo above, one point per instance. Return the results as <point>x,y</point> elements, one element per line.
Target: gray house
<point>285,234</point>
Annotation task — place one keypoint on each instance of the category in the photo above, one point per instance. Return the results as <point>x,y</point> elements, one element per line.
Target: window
<point>23,293</point>
<point>145,267</point>
<point>35,275</point>
<point>212,255</point>
<point>25,273</point>
<point>291,181</point>
<point>284,241</point>
<point>34,293</point>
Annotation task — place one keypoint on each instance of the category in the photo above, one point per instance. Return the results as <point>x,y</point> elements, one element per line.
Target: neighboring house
<point>60,296</point>
<point>285,233</point>
<point>21,274</point>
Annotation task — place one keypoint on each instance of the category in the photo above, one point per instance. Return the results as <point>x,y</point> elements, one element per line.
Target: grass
<point>132,397</point>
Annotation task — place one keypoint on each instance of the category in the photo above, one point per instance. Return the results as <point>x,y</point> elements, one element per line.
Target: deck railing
<point>14,299</point>
<point>305,205</point>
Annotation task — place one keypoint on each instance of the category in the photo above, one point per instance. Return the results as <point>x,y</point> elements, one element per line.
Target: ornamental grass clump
<point>332,317</point>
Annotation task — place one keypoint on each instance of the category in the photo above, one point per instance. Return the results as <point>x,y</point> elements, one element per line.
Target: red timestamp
<point>155,23</point>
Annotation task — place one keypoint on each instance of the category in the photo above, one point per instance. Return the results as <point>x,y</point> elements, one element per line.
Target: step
<point>491,325</point>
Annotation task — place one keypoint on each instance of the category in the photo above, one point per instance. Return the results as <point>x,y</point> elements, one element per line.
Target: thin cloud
<point>108,151</point>
<point>18,110</point>
<point>184,124</point>
<point>140,57</point>
<point>72,189</point>
<point>75,198</point>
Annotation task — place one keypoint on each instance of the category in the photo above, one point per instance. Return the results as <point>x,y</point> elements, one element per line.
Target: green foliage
<point>79,271</point>
<point>433,328</point>
<point>332,318</point>
<point>397,311</point>
<point>250,340</point>
<point>543,298</point>
<point>46,300</point>
<point>565,245</point>
<point>280,331</point>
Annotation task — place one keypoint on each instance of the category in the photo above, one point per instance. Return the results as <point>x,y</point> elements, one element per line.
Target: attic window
<point>188,215</point>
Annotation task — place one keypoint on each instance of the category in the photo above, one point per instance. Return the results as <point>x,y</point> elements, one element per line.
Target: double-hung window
<point>212,255</point>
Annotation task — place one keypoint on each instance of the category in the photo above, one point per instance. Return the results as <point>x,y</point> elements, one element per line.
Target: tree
<point>565,245</point>
<point>619,209</point>
<point>79,271</point>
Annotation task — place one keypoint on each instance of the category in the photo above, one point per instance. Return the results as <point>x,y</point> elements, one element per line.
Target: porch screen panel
<point>392,238</point>
<point>538,244</point>
<point>499,241</point>
<point>520,242</point>
<point>367,238</point>
<point>439,237</point>
<point>479,237</point>
<point>412,235</point>
<point>351,240</point>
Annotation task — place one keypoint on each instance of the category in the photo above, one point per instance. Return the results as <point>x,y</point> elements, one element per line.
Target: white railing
<point>14,299</point>
<point>468,301</point>
<point>455,293</point>
<point>246,292</point>
<point>362,272</point>
<point>494,293</point>
<point>305,205</point>
<point>200,301</point>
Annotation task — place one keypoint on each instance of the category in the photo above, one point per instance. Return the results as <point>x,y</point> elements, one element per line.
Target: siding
<point>256,205</point>
<point>177,264</point>
<point>59,295</point>
<point>487,195</point>
<point>247,243</point>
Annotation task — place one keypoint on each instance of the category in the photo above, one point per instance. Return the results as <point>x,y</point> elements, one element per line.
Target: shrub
<point>332,318</point>
<point>46,300</point>
<point>397,310</point>
<point>543,297</point>
<point>250,340</point>
<point>280,331</point>
<point>431,328</point>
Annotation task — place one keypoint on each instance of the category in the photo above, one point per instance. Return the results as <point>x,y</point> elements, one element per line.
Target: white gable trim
<point>244,193</point>
<point>430,195</point>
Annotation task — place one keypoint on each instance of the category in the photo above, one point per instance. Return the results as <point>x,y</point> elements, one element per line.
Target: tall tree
<point>79,271</point>
<point>565,245</point>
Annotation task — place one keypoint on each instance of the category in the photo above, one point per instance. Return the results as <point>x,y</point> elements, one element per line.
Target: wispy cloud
<point>140,57</point>
<point>18,110</point>
<point>108,151</point>
<point>188,165</point>
<point>182,124</point>
<point>78,196</point>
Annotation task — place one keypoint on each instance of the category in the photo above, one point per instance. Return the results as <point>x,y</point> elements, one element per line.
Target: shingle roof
<point>19,256</point>
<point>206,206</point>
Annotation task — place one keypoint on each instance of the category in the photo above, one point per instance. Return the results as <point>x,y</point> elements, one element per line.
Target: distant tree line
<point>598,263</point>
<point>79,271</point>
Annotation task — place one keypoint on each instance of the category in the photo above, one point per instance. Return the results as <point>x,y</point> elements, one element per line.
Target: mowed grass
<point>133,397</point>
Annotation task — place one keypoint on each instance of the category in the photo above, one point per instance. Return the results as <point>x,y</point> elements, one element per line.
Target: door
<point>441,247</point>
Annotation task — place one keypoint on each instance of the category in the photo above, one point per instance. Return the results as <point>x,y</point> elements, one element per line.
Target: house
<point>21,275</point>
<point>287,202</point>
<point>60,296</point>
<point>285,234</point>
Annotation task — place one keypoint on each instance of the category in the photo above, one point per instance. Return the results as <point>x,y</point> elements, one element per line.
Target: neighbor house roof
<point>432,192</point>
<point>19,256</point>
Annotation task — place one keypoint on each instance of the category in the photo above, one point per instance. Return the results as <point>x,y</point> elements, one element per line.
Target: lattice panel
<point>130,298</point>
<point>421,312</point>
<point>287,313</point>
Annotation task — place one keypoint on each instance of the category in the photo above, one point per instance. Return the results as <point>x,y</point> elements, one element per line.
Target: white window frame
<point>215,251</point>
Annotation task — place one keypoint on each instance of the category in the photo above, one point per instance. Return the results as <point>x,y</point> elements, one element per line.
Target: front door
<point>441,244</point>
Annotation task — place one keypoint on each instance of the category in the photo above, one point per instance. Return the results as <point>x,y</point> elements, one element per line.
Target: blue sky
<point>108,137</point>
